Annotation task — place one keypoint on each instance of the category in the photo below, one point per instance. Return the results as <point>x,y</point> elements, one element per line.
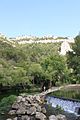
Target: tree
<point>73,60</point>
<point>55,69</point>
<point>35,73</point>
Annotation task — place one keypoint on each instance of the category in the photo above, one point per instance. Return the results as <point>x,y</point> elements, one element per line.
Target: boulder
<point>23,99</point>
<point>12,112</point>
<point>43,110</point>
<point>21,111</point>
<point>21,104</point>
<point>29,100</point>
<point>38,99</point>
<point>38,108</point>
<point>40,116</point>
<point>15,106</point>
<point>31,111</point>
<point>15,118</point>
<point>26,103</point>
<point>19,99</point>
<point>53,117</point>
<point>61,117</point>
<point>25,117</point>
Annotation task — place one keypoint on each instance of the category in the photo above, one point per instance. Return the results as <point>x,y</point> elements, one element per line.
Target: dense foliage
<point>73,60</point>
<point>31,64</point>
<point>6,102</point>
<point>23,66</point>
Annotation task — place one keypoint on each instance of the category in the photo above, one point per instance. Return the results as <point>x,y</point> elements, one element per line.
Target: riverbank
<point>53,89</point>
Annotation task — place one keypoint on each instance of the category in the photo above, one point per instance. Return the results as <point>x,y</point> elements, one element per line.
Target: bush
<point>6,103</point>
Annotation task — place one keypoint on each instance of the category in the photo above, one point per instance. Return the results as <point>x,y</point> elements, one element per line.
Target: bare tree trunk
<point>50,84</point>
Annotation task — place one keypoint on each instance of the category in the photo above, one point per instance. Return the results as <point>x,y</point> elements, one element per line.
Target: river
<point>66,104</point>
<point>68,99</point>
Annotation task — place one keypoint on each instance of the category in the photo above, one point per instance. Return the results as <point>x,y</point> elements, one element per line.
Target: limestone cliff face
<point>65,47</point>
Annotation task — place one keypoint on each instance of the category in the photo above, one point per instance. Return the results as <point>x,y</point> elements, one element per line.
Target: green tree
<point>55,69</point>
<point>35,73</point>
<point>73,60</point>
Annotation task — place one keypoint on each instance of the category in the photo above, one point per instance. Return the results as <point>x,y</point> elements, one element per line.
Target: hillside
<point>18,64</point>
<point>32,64</point>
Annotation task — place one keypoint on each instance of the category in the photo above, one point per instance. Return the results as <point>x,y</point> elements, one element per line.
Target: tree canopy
<point>38,64</point>
<point>73,59</point>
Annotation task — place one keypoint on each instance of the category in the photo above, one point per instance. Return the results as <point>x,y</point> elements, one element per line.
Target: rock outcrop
<point>30,108</point>
<point>58,117</point>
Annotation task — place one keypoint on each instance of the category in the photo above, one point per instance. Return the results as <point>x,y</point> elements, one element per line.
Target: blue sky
<point>40,17</point>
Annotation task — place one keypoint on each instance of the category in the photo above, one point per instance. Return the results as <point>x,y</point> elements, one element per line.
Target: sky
<point>40,17</point>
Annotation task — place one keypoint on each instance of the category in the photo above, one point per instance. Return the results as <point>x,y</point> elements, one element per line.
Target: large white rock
<point>53,117</point>
<point>65,47</point>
